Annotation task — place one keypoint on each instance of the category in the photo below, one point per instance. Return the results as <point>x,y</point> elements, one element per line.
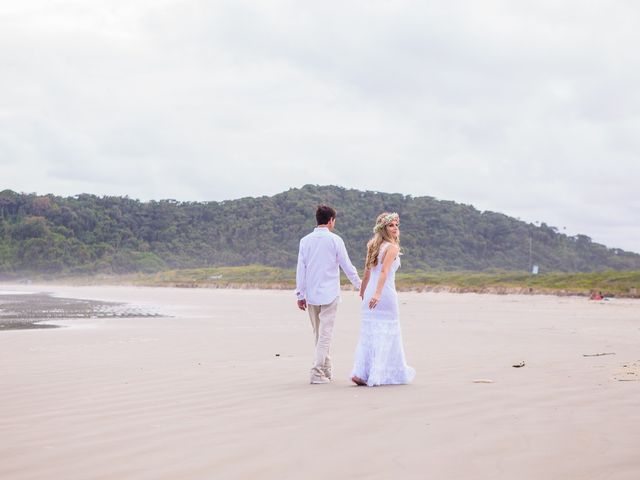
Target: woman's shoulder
<point>392,247</point>
<point>388,248</point>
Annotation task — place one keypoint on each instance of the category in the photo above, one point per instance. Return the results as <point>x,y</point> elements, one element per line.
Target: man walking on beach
<point>322,253</point>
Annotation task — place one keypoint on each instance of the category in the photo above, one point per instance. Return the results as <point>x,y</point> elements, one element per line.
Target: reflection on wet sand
<point>19,311</point>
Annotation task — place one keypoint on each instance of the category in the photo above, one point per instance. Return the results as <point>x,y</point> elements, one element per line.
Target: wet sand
<point>217,388</point>
<point>28,310</point>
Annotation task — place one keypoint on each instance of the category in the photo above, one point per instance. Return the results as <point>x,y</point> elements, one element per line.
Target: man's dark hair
<point>324,213</point>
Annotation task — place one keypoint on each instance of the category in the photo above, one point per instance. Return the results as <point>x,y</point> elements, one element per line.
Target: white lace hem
<point>380,358</point>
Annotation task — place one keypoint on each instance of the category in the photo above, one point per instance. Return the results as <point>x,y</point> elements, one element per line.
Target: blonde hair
<point>380,235</point>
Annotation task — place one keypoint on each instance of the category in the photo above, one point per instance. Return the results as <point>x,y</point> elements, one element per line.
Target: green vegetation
<point>249,275</point>
<point>611,283</point>
<point>90,235</point>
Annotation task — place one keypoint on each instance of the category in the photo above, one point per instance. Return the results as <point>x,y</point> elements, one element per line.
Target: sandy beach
<point>217,388</point>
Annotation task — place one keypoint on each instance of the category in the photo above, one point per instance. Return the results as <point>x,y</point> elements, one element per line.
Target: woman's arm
<point>389,257</point>
<point>365,282</point>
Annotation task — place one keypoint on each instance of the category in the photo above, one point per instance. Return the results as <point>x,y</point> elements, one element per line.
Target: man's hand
<point>302,304</point>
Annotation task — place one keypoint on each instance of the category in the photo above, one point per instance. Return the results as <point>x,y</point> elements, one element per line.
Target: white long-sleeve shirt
<point>321,255</point>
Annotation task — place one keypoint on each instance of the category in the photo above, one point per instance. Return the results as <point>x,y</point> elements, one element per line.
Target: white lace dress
<point>380,356</point>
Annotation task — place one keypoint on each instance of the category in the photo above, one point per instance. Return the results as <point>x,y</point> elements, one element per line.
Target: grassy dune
<point>611,283</point>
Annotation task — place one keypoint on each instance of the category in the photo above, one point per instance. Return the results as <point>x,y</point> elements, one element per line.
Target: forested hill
<point>90,234</point>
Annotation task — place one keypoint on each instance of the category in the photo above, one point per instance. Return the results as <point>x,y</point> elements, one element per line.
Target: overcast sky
<point>530,108</point>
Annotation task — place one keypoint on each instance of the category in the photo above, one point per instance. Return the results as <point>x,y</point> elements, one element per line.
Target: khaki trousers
<point>322,319</point>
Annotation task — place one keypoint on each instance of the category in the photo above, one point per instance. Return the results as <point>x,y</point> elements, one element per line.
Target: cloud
<point>528,108</point>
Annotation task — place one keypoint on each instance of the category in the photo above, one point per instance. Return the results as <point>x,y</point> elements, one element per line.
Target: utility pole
<point>530,251</point>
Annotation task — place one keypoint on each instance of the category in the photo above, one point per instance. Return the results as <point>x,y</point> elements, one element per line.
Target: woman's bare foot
<point>358,381</point>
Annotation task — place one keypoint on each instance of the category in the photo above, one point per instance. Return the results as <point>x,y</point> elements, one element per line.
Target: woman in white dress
<point>380,355</point>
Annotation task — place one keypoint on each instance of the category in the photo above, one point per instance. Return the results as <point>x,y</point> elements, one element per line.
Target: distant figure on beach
<point>322,253</point>
<point>596,296</point>
<point>380,356</point>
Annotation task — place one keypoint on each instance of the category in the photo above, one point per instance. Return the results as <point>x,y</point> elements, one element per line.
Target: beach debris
<point>597,354</point>
<point>482,380</point>
<point>277,354</point>
<point>518,365</point>
<point>629,372</point>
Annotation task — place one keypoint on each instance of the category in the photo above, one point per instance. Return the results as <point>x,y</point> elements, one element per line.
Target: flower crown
<point>386,220</point>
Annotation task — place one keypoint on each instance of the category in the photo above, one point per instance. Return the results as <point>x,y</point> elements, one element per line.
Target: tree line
<point>88,234</point>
